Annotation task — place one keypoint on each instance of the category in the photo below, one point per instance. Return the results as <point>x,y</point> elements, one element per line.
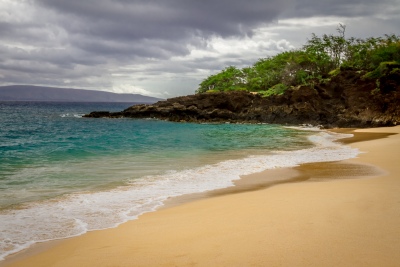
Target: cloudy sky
<point>165,48</point>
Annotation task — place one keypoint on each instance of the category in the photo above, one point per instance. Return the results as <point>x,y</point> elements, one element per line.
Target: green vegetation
<point>318,60</point>
<point>383,67</point>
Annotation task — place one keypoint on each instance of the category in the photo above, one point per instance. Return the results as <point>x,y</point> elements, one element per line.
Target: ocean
<point>62,175</point>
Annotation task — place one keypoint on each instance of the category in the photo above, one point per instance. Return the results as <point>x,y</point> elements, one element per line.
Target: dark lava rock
<point>346,100</point>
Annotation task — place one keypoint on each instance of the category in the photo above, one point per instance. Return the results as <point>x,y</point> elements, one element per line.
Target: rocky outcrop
<point>346,100</point>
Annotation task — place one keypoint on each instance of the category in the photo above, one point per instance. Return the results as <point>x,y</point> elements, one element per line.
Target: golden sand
<point>326,216</point>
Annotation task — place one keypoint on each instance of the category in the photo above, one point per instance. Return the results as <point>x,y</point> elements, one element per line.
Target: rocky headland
<point>345,100</point>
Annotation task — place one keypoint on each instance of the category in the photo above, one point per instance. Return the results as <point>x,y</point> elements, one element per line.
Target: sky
<point>165,48</point>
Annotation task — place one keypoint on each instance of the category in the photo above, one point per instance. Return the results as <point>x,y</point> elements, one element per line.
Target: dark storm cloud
<point>87,42</point>
<point>156,28</point>
<point>169,19</point>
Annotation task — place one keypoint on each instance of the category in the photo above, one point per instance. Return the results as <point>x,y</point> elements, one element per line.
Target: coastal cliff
<point>346,100</point>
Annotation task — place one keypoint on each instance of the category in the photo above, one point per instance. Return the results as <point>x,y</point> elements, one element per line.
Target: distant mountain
<point>39,93</point>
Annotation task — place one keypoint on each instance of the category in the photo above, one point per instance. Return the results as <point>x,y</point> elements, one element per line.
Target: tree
<point>231,78</point>
<point>369,53</point>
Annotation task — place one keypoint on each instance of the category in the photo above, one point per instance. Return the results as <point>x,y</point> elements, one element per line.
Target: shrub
<point>383,68</point>
<point>334,72</point>
<point>277,89</point>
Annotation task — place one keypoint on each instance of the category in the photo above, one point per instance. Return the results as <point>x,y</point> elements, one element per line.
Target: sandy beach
<point>320,214</point>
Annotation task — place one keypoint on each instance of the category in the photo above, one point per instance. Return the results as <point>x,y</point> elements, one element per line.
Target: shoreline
<point>256,181</point>
<point>245,190</point>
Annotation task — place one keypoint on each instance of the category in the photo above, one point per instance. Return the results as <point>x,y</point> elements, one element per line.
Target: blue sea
<point>62,175</point>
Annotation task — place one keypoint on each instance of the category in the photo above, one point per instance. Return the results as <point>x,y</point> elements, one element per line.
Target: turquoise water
<point>62,175</point>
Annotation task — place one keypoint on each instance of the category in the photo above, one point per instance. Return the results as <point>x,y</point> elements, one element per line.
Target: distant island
<point>39,93</point>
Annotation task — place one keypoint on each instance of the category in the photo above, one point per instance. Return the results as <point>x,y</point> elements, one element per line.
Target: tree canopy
<point>321,57</point>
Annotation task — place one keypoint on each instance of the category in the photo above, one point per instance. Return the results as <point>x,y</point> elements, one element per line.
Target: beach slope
<point>318,222</point>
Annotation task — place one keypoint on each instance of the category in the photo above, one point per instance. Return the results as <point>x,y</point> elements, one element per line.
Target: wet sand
<point>319,214</point>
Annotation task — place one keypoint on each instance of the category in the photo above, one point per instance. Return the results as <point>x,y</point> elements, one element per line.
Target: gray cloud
<point>344,8</point>
<point>168,19</point>
<point>162,44</point>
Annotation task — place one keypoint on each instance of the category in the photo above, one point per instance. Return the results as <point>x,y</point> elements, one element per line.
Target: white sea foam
<point>71,115</point>
<point>76,214</point>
